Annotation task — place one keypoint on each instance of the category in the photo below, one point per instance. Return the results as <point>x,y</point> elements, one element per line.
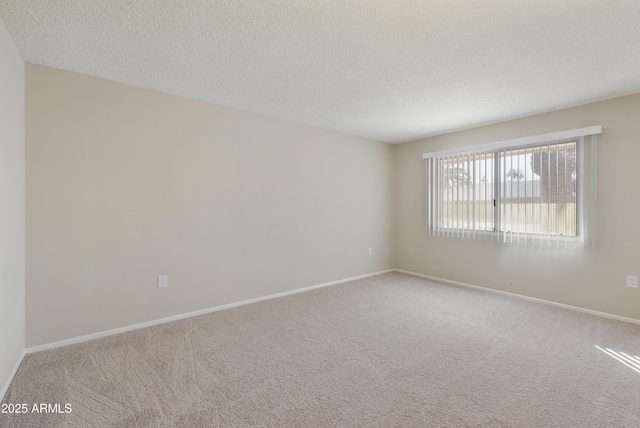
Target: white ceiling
<point>387,70</point>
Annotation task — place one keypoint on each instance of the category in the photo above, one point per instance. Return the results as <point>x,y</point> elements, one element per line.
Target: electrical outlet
<point>371,251</point>
<point>632,281</point>
<point>163,281</point>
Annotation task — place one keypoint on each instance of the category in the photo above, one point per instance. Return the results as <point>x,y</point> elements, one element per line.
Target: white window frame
<point>585,189</point>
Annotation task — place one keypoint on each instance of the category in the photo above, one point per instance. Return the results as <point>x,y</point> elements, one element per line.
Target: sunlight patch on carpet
<point>632,362</point>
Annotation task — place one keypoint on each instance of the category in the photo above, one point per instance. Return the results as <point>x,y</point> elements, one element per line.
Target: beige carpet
<point>391,350</point>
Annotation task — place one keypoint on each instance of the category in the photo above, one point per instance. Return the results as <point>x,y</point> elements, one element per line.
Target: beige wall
<point>124,184</point>
<point>12,283</point>
<point>589,279</point>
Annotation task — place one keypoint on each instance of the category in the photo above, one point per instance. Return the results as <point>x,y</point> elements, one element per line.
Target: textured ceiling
<point>390,70</point>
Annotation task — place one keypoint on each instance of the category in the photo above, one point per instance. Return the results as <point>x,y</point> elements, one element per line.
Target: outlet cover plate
<point>163,281</point>
<point>632,281</point>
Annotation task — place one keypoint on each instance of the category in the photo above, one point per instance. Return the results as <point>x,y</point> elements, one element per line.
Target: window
<point>534,190</point>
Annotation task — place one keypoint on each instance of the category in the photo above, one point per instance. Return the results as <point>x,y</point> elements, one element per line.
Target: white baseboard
<point>5,388</point>
<point>519,296</point>
<point>98,335</point>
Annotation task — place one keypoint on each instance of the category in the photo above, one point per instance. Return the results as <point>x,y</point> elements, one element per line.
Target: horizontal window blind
<point>527,194</point>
